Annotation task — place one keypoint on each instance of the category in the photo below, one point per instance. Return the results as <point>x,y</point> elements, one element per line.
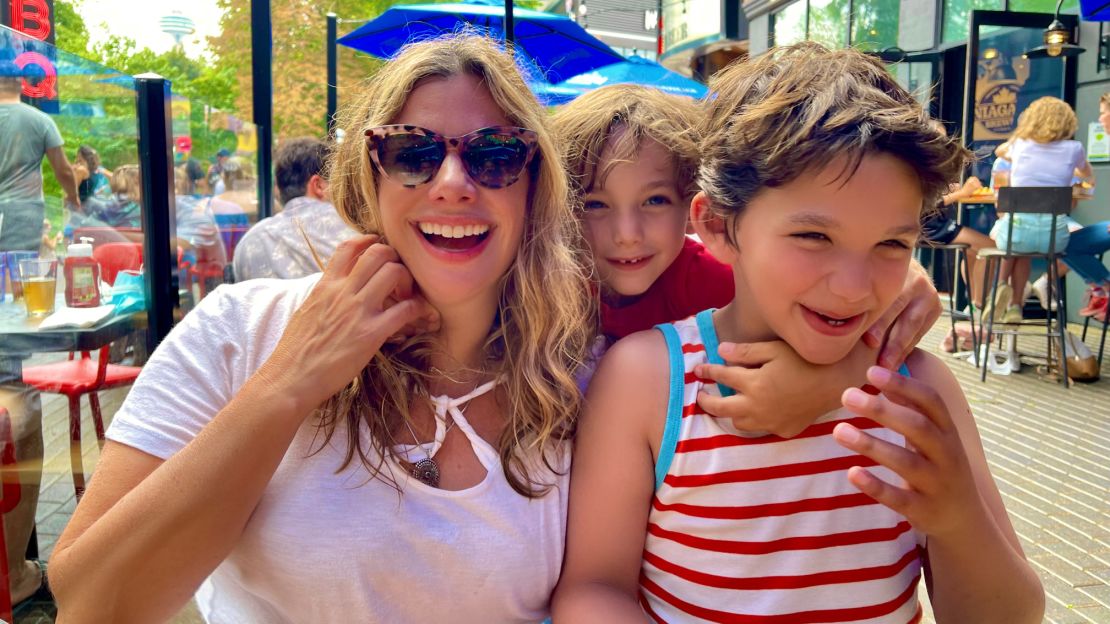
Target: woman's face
<point>456,237</point>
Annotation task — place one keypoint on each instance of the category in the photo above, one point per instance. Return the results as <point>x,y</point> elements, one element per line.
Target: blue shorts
<point>1031,233</point>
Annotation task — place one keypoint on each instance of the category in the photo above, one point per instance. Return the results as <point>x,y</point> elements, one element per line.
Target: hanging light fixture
<point>1057,40</point>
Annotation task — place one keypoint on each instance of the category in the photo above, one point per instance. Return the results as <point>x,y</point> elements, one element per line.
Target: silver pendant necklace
<point>426,470</point>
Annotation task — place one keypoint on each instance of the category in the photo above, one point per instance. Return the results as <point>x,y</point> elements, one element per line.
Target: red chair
<point>73,378</point>
<point>116,257</point>
<point>211,261</point>
<point>8,500</point>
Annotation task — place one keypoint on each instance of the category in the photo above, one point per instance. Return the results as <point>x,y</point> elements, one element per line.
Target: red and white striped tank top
<point>767,530</point>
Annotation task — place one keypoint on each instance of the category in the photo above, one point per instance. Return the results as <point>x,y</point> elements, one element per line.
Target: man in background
<point>303,236</point>
<point>216,171</point>
<point>26,136</point>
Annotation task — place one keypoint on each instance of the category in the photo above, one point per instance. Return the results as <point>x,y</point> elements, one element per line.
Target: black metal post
<point>263,90</point>
<point>159,212</point>
<point>333,73</point>
<point>509,37</point>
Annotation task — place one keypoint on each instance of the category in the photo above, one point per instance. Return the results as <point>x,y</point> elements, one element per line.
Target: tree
<point>300,57</point>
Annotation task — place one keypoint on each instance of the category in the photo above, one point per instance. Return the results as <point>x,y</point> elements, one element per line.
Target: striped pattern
<point>767,530</point>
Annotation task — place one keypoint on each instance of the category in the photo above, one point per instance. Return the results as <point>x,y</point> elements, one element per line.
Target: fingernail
<point>854,397</point>
<point>725,349</point>
<point>878,375</point>
<point>848,433</point>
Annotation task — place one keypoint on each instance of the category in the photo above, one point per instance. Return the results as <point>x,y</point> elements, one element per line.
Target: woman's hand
<point>939,496</point>
<point>907,320</point>
<point>364,297</point>
<point>777,391</point>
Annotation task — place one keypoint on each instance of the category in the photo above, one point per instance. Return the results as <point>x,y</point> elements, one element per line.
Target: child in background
<point>677,516</point>
<point>632,153</point>
<point>1042,152</point>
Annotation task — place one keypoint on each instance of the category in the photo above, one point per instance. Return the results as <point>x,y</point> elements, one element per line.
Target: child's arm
<point>975,568</point>
<point>612,481</point>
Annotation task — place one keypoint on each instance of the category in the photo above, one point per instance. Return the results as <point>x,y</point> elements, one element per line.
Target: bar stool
<point>958,266</point>
<point>1051,200</point>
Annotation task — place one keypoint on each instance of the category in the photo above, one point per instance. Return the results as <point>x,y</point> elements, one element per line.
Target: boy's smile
<point>635,221</point>
<point>818,260</point>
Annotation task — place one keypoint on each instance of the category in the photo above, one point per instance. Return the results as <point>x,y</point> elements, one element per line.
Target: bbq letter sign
<point>35,19</point>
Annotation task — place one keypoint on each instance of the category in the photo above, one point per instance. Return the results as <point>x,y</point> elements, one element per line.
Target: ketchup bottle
<point>82,274</point>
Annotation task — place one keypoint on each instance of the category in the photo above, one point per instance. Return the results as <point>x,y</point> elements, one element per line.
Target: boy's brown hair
<point>793,110</point>
<point>616,120</point>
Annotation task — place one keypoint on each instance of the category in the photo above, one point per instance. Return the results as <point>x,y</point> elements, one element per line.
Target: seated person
<point>300,239</point>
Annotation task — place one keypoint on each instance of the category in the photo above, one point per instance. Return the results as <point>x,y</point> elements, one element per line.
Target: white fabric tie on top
<point>445,405</point>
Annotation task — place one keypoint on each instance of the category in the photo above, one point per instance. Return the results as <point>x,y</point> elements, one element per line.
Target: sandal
<point>41,595</point>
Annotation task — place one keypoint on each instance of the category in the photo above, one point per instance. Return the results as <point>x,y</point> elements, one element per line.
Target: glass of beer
<point>40,279</point>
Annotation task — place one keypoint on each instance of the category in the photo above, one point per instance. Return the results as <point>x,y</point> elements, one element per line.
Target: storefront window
<point>957,15</point>
<point>828,22</point>
<point>875,24</point>
<point>790,24</point>
<point>1043,6</point>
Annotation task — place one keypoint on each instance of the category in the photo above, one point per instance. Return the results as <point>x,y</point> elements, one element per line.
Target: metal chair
<point>73,378</point>
<point>1050,200</point>
<point>1105,324</point>
<point>958,266</point>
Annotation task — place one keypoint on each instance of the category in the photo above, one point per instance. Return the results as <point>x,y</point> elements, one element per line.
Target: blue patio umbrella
<point>553,95</point>
<point>558,47</point>
<point>637,70</point>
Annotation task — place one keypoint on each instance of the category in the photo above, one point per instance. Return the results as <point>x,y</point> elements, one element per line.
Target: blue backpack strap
<point>676,387</point>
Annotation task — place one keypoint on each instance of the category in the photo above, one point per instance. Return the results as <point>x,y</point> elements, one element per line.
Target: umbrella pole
<point>509,38</point>
<point>333,95</point>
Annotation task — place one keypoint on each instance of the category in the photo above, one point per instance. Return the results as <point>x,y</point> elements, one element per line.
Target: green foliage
<point>70,32</point>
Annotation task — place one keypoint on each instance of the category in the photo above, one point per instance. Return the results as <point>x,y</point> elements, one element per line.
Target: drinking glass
<point>40,279</point>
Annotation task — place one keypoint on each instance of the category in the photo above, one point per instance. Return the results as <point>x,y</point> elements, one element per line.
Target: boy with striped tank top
<point>817,166</point>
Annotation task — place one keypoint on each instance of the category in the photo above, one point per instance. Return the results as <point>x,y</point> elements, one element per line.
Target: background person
<point>1042,152</point>
<point>29,135</point>
<point>92,177</point>
<point>306,232</point>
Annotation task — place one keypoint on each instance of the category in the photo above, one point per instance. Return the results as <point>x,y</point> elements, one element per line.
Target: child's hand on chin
<point>907,320</point>
<point>939,496</point>
<point>777,391</point>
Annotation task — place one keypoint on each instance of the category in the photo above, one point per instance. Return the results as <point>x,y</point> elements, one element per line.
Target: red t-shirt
<point>695,281</point>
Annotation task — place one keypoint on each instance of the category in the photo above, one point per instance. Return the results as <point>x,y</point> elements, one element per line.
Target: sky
<point>139,21</point>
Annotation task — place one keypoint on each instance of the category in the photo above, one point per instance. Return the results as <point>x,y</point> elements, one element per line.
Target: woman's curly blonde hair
<point>1047,120</point>
<point>615,120</point>
<point>543,327</point>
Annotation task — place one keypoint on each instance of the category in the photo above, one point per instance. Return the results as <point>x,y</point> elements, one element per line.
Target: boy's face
<point>1104,115</point>
<point>636,223</point>
<point>818,260</point>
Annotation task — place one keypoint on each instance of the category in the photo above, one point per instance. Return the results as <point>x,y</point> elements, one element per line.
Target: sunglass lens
<point>410,159</point>
<point>495,160</point>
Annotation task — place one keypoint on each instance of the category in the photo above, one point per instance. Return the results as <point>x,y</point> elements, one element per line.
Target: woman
<point>92,178</point>
<point>219,464</point>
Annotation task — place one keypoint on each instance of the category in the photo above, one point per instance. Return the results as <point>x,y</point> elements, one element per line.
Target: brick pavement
<point>1048,449</point>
